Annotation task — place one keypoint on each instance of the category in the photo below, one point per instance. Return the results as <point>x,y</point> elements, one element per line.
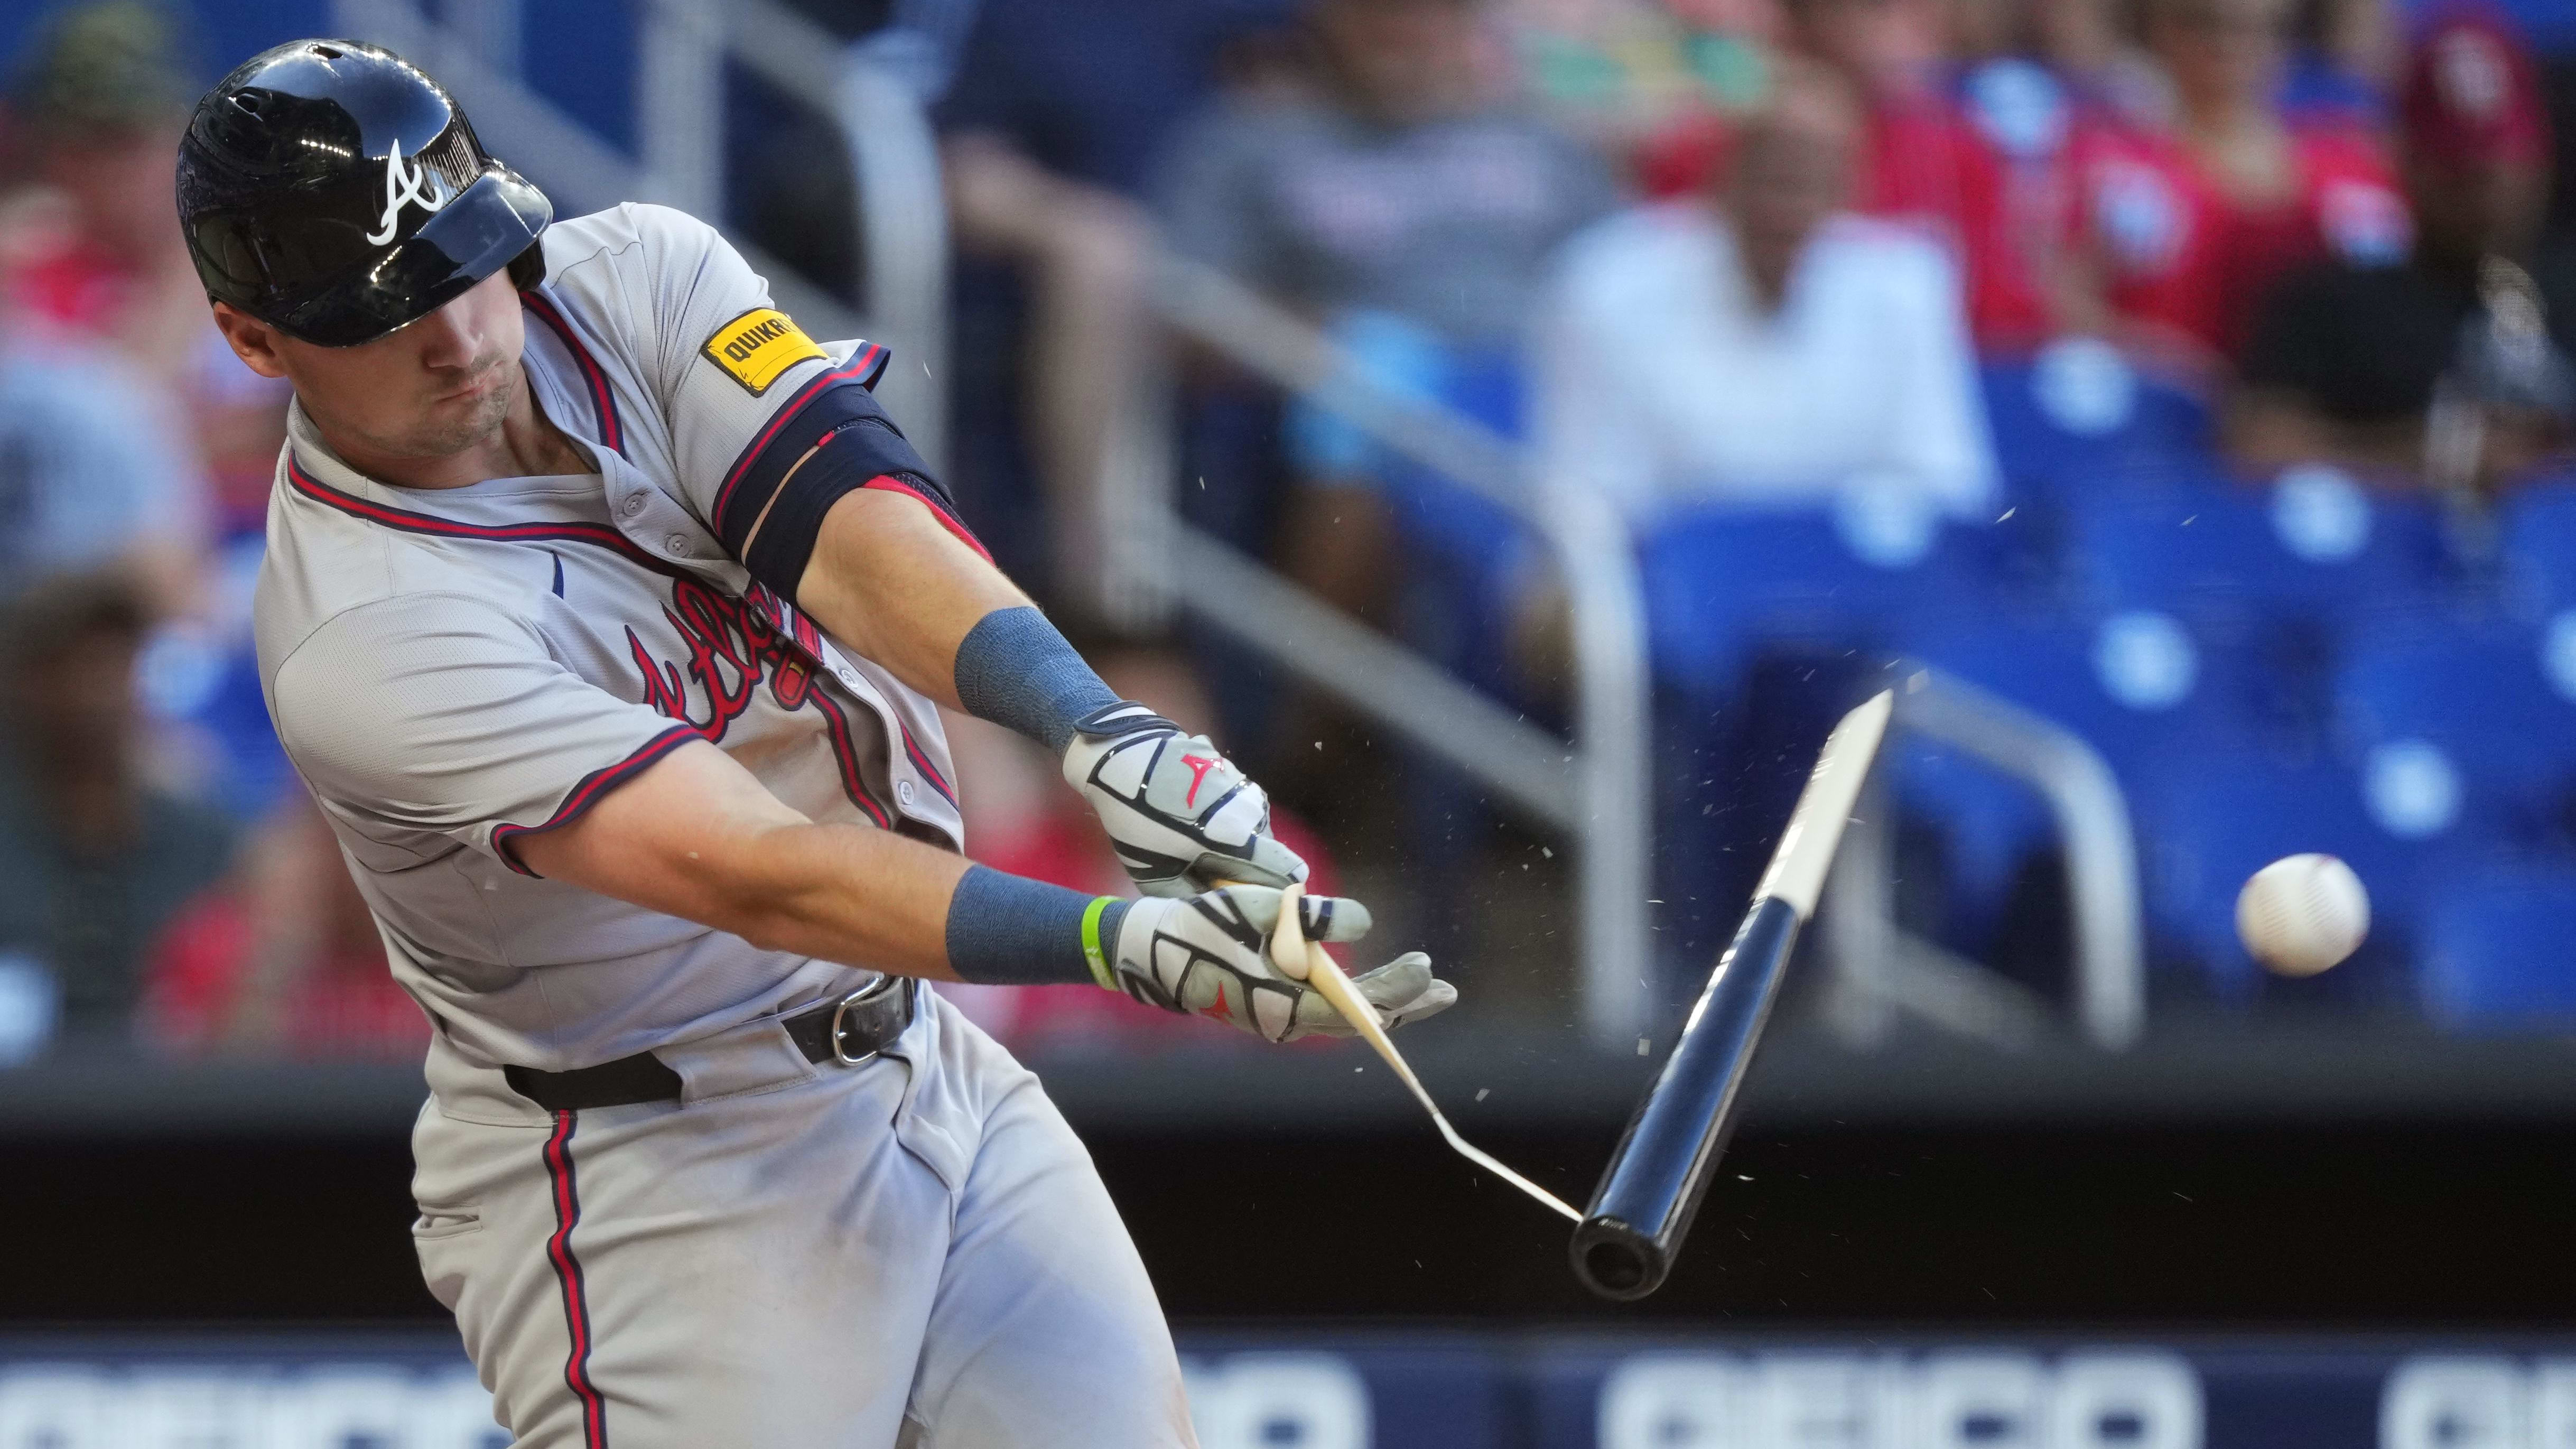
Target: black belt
<point>848,1031</point>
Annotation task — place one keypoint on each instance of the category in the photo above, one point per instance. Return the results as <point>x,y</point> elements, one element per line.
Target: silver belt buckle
<point>841,1010</point>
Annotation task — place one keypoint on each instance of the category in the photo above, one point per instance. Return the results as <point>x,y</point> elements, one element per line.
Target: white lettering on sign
<point>2460,1402</point>
<point>59,1406</point>
<point>2107,1399</point>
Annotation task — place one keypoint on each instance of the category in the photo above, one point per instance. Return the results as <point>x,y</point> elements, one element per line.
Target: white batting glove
<point>1210,955</point>
<point>1183,818</point>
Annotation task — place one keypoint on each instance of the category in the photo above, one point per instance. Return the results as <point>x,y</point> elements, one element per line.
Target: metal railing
<point>1879,969</point>
<point>1598,790</point>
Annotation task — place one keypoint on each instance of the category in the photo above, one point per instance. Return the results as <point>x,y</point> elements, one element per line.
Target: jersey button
<point>903,791</point>
<point>677,543</point>
<point>633,505</point>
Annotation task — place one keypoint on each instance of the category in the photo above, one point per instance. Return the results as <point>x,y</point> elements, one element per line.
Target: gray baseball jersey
<point>452,668</point>
<point>793,1254</point>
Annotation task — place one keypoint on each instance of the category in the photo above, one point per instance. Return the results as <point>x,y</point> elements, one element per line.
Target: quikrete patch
<point>757,346</point>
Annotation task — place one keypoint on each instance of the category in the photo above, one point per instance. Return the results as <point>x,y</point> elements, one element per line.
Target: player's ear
<point>253,341</point>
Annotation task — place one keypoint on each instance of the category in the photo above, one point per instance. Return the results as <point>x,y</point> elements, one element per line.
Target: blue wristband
<point>1008,930</point>
<point>1014,669</point>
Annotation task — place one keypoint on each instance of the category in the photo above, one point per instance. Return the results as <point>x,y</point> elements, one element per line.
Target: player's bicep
<point>681,837</point>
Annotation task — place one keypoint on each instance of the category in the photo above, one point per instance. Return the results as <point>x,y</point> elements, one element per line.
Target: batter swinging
<point>605,613</point>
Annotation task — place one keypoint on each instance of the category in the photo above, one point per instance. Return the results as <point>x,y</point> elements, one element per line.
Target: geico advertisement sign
<point>1937,1399</point>
<point>1988,1400</point>
<point>244,1407</point>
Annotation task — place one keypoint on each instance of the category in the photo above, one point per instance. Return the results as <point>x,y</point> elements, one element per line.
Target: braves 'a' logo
<point>406,182</point>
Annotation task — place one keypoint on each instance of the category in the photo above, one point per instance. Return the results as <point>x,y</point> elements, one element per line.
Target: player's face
<point>427,391</point>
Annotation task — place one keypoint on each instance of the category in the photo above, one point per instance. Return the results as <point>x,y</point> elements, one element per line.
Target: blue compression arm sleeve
<point>1014,669</point>
<point>1007,930</point>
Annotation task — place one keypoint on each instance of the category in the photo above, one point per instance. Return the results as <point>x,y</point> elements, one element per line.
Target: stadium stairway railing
<point>1588,790</point>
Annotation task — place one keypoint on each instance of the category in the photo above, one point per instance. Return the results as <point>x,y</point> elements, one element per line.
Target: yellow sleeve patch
<point>757,346</point>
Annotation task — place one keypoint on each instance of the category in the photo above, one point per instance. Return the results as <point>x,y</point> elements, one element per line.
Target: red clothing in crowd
<point>74,289</point>
<point>2042,177</point>
<point>2184,256</point>
<point>346,1006</point>
<point>1928,166</point>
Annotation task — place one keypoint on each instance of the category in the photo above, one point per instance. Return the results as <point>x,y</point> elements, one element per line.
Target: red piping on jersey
<point>603,403</point>
<point>921,762</point>
<point>893,484</point>
<point>599,534</point>
<point>592,789</point>
<point>845,753</point>
<point>576,1295</point>
<point>844,747</point>
<point>861,364</point>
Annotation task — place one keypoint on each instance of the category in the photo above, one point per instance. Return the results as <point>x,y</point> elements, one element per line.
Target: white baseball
<point>2302,914</point>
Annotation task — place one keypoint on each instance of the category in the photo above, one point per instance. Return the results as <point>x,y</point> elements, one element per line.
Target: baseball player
<point>605,614</point>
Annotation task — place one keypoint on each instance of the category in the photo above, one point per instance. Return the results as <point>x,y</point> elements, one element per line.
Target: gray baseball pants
<point>913,1250</point>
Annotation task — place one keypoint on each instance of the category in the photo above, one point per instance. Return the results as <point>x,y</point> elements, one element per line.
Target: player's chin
<point>452,424</point>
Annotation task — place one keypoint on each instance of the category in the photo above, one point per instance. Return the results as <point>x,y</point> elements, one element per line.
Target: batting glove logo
<point>1182,817</point>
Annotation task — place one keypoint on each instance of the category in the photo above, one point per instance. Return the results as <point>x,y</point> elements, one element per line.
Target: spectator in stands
<point>93,861</point>
<point>1922,163</point>
<point>2195,228</point>
<point>1761,346</point>
<point>92,472</point>
<point>2346,358</point>
<point>95,109</point>
<point>282,960</point>
<point>1650,83</point>
<point>1047,140</point>
<point>1392,197</point>
<point>97,106</point>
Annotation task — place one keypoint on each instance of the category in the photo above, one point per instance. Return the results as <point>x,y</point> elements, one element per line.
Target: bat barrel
<point>1627,1240</point>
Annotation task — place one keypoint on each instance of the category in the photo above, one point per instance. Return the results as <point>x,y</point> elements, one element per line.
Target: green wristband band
<point>1097,958</point>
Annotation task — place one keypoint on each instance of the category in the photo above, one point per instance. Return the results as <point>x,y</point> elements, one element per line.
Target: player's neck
<point>527,444</point>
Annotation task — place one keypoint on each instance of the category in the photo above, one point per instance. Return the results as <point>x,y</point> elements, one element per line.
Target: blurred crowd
<point>1886,326</point>
<point>160,874</point>
<point>1758,255</point>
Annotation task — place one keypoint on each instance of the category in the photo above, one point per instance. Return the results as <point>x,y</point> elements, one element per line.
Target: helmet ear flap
<point>528,268</point>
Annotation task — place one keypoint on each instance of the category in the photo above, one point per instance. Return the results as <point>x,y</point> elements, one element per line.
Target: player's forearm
<point>889,580</point>
<point>839,892</point>
<point>696,836</point>
<point>863,897</point>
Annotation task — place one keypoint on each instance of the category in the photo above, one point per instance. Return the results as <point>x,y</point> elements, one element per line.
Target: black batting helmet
<point>336,192</point>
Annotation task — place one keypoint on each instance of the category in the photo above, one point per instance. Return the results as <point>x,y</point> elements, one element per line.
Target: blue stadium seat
<point>2078,411</point>
<point>2471,721</point>
<point>2495,948</point>
<point>2285,571</point>
<point>2311,547</point>
<point>2208,822</point>
<point>2536,534</point>
<point>2138,687</point>
<point>1720,585</point>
